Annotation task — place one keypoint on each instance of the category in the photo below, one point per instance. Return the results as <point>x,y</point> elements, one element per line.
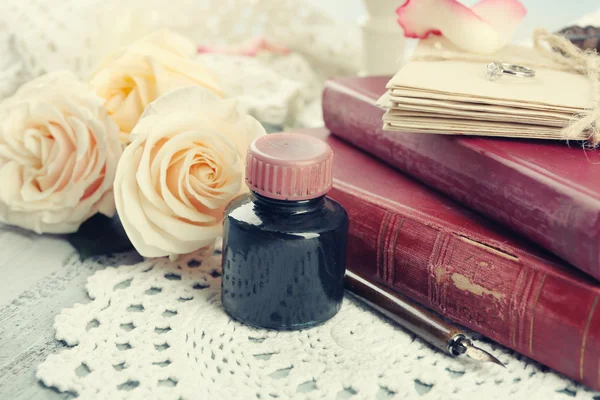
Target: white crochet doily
<point>37,36</point>
<point>157,330</point>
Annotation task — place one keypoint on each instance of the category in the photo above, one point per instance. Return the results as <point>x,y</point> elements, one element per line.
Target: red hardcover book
<point>547,191</point>
<point>424,245</point>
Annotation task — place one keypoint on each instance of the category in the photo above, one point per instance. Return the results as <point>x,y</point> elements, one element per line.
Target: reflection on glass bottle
<point>285,242</point>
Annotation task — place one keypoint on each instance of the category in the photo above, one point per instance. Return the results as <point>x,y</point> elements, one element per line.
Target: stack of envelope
<point>444,91</point>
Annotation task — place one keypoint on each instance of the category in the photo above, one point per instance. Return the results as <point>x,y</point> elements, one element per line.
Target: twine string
<point>562,55</point>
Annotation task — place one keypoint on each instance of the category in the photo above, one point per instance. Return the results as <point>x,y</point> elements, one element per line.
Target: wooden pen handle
<point>406,313</point>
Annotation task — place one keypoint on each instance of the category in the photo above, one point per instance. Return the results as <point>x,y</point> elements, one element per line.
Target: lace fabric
<point>157,330</point>
<point>276,90</point>
<point>283,91</point>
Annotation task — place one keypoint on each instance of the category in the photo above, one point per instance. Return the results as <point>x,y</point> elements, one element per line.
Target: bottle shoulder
<point>245,212</point>
<point>336,209</point>
<point>237,202</point>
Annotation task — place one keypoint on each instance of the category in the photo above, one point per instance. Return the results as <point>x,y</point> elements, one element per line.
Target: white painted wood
<point>25,258</point>
<point>39,276</point>
<point>549,14</point>
<point>383,40</point>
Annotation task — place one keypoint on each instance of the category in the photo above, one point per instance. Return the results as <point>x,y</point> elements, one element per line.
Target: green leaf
<point>270,128</point>
<point>100,235</point>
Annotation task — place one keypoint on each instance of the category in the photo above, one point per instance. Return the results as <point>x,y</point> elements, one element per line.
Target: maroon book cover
<point>547,191</point>
<point>424,245</point>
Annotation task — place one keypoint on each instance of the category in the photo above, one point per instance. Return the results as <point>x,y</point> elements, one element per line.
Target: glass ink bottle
<point>284,243</point>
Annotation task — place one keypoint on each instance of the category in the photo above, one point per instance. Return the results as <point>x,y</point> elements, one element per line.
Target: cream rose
<point>146,70</point>
<point>184,165</point>
<point>58,155</point>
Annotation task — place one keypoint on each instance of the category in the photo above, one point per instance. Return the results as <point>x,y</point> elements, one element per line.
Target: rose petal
<point>147,175</point>
<point>126,115</point>
<point>167,41</point>
<point>82,137</point>
<point>185,71</point>
<point>114,103</point>
<point>215,198</point>
<point>177,173</point>
<point>250,49</point>
<point>93,161</point>
<point>64,150</point>
<point>181,141</point>
<point>146,89</point>
<point>484,33</point>
<point>127,201</point>
<point>106,204</point>
<point>144,71</point>
<point>13,127</point>
<point>182,168</point>
<point>10,176</point>
<point>102,165</point>
<point>179,101</point>
<point>55,132</point>
<point>143,223</point>
<point>32,192</point>
<point>164,81</point>
<point>32,141</point>
<point>184,233</point>
<point>503,15</point>
<point>165,200</point>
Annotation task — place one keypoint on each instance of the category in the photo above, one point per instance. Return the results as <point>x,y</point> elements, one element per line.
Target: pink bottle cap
<point>289,166</point>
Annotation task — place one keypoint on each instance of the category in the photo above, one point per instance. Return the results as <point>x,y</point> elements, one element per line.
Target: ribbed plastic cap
<point>289,166</point>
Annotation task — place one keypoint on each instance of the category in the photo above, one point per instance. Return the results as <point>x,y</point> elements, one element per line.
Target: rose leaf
<point>100,235</point>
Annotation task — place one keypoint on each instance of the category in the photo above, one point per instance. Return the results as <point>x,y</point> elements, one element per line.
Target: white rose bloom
<point>184,165</point>
<point>144,71</point>
<point>58,155</point>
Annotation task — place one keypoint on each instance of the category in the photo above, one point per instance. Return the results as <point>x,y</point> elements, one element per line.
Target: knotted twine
<point>564,53</point>
<point>561,55</point>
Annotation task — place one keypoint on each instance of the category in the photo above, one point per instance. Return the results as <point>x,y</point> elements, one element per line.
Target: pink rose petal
<point>485,28</point>
<point>503,15</point>
<point>250,49</point>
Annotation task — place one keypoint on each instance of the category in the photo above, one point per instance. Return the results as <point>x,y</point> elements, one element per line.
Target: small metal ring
<point>495,70</point>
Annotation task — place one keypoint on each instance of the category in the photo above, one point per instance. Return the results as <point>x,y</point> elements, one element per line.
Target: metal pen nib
<point>415,318</point>
<point>465,346</point>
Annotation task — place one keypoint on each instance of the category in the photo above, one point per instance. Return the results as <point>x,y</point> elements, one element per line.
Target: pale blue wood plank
<point>56,280</point>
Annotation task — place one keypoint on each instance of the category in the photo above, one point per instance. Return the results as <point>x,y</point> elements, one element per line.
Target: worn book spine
<point>530,195</point>
<point>516,299</point>
<point>427,247</point>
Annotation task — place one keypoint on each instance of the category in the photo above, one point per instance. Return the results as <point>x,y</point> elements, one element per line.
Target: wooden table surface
<point>550,14</point>
<point>39,276</point>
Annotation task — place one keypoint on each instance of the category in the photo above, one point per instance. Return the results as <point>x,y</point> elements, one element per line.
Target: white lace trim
<point>157,330</point>
<point>36,37</point>
<point>119,348</point>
